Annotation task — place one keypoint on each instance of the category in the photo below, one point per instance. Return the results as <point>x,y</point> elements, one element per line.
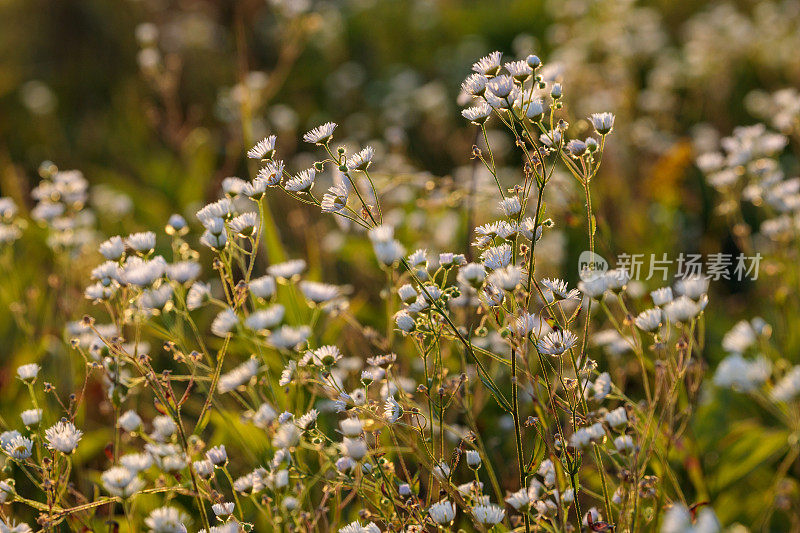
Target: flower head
<point>321,134</point>
<point>264,149</point>
<point>63,436</point>
<point>557,342</point>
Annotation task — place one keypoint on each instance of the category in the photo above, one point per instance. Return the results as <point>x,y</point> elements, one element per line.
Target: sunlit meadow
<point>372,266</point>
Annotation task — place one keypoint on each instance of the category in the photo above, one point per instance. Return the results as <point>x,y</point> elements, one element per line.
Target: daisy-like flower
<point>623,443</point>
<point>214,225</point>
<point>184,271</point>
<point>264,149</point>
<point>407,293</point>
<point>245,224</point>
<point>354,448</point>
<point>324,356</point>
<point>287,374</point>
<point>560,288</point>
<point>617,279</point>
<point>223,509</point>
<point>441,470</point>
<point>489,514</point>
<point>404,321</point>
<point>63,436</point>
<point>345,464</point>
<point>472,274</point>
<point>31,417</point>
<point>501,87</point>
<point>217,455</point>
<point>143,242</point>
<point>661,296</point>
<point>113,248</point>
<point>289,337</point>
<point>535,110</point>
<point>442,512</point>
<point>152,299</point>
<point>649,320</point>
<point>287,436</point>
<point>478,114</point>
<point>682,309</point>
<point>473,459</point>
<point>488,65</point>
<point>255,189</point>
<point>167,520</point>
<point>198,294</point>
<point>321,134</point>
<point>335,200</point>
<point>14,527</point>
<point>576,148</point>
<point>388,252</point>
<point>392,410</point>
<point>233,186</point>
<point>288,269</point>
<point>8,209</point>
<point>510,206</point>
<point>6,491</point>
<point>679,519</point>
<point>142,273</point>
<point>594,286</point>
<point>263,287</point>
<point>263,416</point>
<point>136,462</point>
<point>270,174</point>
<point>602,122</point>
<point>224,322</point>
<point>163,428</point>
<point>492,295</point>
<point>742,374</point>
<point>119,481</point>
<point>317,292</point>
<point>356,527</point>
<point>18,448</point>
<point>351,427</point>
<point>617,417</point>
<point>788,387</point>
<point>419,257</point>
<point>129,421</point>
<point>361,160</point>
<point>557,342</point>
<point>474,84</point>
<point>497,257</point>
<point>203,468</point>
<point>693,287</point>
<point>739,338</point>
<point>519,70</point>
<point>265,319</point>
<point>239,376</point>
<point>28,372</point>
<point>602,386</point>
<point>520,500</point>
<point>507,278</point>
<point>586,435</point>
<point>527,324</point>
<point>219,209</point>
<point>302,182</point>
